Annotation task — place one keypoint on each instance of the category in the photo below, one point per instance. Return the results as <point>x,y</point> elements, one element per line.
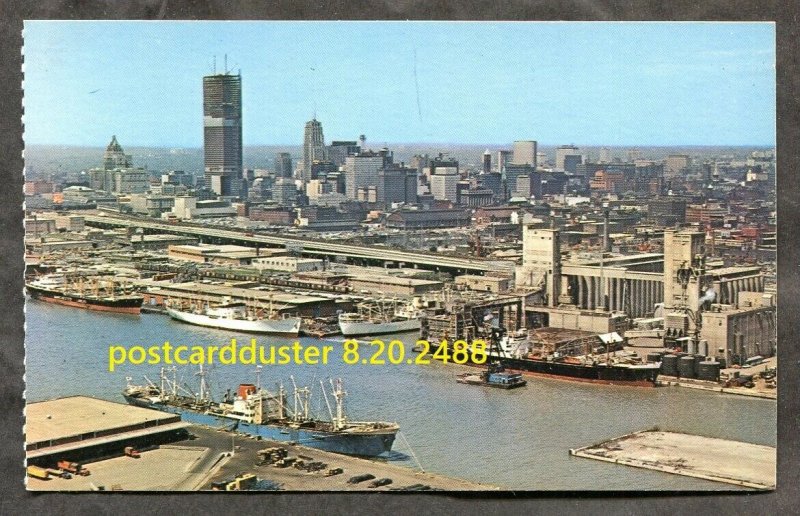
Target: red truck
<point>73,467</point>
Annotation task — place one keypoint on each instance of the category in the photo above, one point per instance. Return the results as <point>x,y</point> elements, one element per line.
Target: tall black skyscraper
<point>222,139</point>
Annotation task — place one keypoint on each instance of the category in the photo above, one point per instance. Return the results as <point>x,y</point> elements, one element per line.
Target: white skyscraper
<point>525,153</point>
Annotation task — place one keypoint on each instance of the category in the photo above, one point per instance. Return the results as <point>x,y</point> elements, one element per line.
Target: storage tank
<point>708,370</point>
<point>697,360</point>
<point>686,367</point>
<point>702,348</point>
<point>669,365</point>
<point>691,346</point>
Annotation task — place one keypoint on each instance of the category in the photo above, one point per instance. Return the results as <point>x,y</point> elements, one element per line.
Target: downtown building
<point>313,147</point>
<point>444,176</point>
<point>397,184</point>
<point>568,157</point>
<point>222,134</point>
<point>283,165</point>
<point>361,173</point>
<point>118,175</point>
<point>525,153</point>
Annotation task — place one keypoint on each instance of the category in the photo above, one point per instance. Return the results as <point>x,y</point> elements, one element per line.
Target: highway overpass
<point>359,254</point>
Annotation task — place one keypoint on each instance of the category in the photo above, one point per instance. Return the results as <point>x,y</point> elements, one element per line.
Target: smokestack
<point>606,241</point>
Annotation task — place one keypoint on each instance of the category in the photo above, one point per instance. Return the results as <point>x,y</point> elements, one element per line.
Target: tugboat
<point>495,374</point>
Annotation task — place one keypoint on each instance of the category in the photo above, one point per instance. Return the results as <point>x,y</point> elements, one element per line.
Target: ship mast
<point>295,397</point>
<point>258,378</point>
<point>203,386</point>
<point>281,400</point>
<point>325,395</point>
<point>174,382</point>
<point>339,394</point>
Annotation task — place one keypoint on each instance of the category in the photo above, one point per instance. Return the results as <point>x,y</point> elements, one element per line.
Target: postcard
<point>400,256</point>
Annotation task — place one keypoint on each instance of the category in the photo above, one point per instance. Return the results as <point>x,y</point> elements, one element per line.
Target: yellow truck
<point>37,472</point>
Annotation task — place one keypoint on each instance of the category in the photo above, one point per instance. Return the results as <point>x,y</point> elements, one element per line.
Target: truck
<point>130,451</point>
<point>360,478</point>
<point>58,473</point>
<point>73,467</point>
<point>37,472</point>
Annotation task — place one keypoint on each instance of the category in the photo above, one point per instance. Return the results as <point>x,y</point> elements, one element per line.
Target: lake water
<point>518,439</point>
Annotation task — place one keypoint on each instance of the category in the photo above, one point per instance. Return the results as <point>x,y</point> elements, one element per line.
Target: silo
<point>697,360</point>
<point>686,367</point>
<point>669,365</point>
<point>709,371</point>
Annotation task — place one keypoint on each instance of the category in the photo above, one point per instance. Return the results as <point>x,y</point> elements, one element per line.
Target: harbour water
<point>516,439</point>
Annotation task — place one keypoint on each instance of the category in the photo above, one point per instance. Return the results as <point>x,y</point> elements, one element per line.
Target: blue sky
<point>476,83</point>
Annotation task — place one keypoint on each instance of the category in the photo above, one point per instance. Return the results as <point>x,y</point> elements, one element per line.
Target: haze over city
<point>656,84</point>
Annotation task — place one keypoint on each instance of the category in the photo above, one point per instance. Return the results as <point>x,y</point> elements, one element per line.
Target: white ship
<point>380,318</point>
<point>234,316</point>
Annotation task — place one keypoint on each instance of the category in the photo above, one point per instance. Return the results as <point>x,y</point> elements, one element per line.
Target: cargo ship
<point>104,296</point>
<point>517,354</point>
<point>257,412</point>
<point>380,318</point>
<point>233,315</point>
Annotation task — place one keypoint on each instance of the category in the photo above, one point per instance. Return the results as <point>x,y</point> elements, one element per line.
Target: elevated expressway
<point>359,254</point>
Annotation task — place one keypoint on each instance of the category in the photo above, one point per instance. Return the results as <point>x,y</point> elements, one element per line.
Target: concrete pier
<point>214,455</point>
<point>719,460</point>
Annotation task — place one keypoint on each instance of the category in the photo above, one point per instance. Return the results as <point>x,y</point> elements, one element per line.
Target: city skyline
<point>656,84</point>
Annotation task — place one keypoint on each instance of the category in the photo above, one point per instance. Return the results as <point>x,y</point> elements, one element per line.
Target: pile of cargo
<point>310,467</point>
<point>269,456</point>
<point>242,482</point>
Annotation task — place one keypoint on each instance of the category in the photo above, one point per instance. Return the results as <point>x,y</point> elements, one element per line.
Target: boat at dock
<point>87,293</point>
<point>255,411</point>
<point>518,353</point>
<point>495,376</point>
<point>379,318</point>
<point>235,316</point>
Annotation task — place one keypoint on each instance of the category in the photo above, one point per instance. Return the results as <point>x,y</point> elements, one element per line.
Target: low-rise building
<point>152,205</point>
<point>484,283</point>
<point>192,208</point>
<point>288,264</point>
<point>393,285</point>
<point>37,226</point>
<point>428,219</point>
<point>219,254</point>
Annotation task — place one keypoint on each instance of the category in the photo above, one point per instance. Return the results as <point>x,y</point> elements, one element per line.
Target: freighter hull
<point>125,305</point>
<point>356,329</point>
<point>616,375</point>
<point>288,327</point>
<point>369,444</point>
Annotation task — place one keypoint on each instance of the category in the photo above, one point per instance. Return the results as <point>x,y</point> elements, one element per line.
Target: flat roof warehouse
<point>81,425</point>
